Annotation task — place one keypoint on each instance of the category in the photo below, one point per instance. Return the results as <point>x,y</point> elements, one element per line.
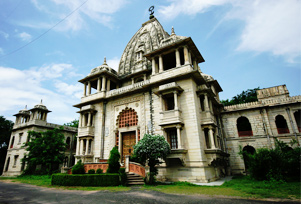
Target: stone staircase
<point>134,179</point>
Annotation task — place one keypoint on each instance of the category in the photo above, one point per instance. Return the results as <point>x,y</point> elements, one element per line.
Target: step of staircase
<point>134,179</point>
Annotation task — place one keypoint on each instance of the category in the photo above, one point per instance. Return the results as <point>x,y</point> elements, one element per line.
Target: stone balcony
<point>171,117</point>
<point>176,156</point>
<point>86,131</point>
<point>207,118</point>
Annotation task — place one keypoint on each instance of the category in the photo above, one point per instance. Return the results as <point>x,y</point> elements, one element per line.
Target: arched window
<point>250,150</point>
<point>12,142</point>
<point>68,143</point>
<point>297,115</point>
<point>281,125</point>
<point>7,164</point>
<point>244,127</point>
<point>127,117</point>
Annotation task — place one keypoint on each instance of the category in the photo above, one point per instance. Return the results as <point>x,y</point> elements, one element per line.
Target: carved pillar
<point>153,66</point>
<point>81,150</point>
<point>186,55</point>
<point>160,64</point>
<point>85,89</point>
<point>161,102</point>
<point>144,77</point>
<point>103,87</point>
<point>77,146</point>
<point>195,64</point>
<point>108,85</point>
<point>89,119</point>
<point>87,146</point>
<point>89,87</point>
<point>211,138</point>
<point>179,136</point>
<point>206,102</point>
<point>176,100</point>
<point>178,61</point>
<point>98,85</point>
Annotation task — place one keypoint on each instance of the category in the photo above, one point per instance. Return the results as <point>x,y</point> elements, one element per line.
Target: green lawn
<point>239,186</point>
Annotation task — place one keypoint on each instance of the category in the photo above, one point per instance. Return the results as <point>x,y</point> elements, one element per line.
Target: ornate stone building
<point>160,89</point>
<point>34,119</point>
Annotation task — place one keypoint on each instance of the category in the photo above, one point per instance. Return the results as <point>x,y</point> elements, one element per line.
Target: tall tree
<point>244,97</point>
<point>6,127</point>
<point>45,149</point>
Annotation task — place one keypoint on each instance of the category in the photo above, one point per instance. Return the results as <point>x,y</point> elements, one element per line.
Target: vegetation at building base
<point>78,168</point>
<point>45,149</point>
<point>6,127</point>
<point>113,161</point>
<point>150,149</point>
<point>85,179</point>
<point>279,164</point>
<point>244,97</point>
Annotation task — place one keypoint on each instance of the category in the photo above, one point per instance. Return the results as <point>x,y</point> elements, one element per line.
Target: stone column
<point>178,60</point>
<point>211,138</point>
<point>144,77</point>
<point>98,85</point>
<point>176,100</point>
<point>81,150</point>
<point>92,147</point>
<point>195,64</point>
<point>160,64</point>
<point>120,144</point>
<point>161,102</point>
<point>186,55</point>
<point>89,119</point>
<point>153,66</point>
<point>133,81</point>
<point>136,131</point>
<point>87,146</point>
<point>179,136</point>
<point>77,146</point>
<point>190,59</point>
<point>206,104</point>
<point>108,85</point>
<point>89,87</point>
<point>103,87</point>
<point>85,89</point>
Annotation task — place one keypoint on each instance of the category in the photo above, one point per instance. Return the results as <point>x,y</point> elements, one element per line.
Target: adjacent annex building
<point>34,119</point>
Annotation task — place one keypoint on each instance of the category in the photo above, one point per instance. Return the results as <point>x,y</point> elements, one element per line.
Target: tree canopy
<point>6,127</point>
<point>45,149</point>
<point>151,148</point>
<point>244,97</point>
<point>73,123</point>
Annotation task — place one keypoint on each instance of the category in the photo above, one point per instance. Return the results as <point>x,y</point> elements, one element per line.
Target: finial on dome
<point>151,10</point>
<point>25,107</point>
<point>105,61</point>
<point>41,102</point>
<point>172,31</point>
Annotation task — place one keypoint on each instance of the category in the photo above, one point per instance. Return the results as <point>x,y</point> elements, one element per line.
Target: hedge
<point>85,180</point>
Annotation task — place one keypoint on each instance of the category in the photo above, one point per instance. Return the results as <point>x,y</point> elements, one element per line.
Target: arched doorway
<point>244,127</point>
<point>297,115</point>
<point>247,150</point>
<point>126,122</point>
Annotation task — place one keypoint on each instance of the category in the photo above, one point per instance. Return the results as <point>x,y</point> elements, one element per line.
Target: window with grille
<point>172,138</point>
<point>128,118</point>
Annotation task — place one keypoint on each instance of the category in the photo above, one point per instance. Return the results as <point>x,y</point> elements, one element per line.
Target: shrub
<point>99,171</point>
<point>123,177</point>
<point>85,180</point>
<point>113,161</point>
<point>91,171</point>
<point>78,168</point>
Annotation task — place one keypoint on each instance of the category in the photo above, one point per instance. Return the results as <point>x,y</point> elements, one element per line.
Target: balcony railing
<point>170,117</point>
<point>245,133</point>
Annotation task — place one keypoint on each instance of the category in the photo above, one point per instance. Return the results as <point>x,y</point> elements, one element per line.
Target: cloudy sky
<point>46,46</point>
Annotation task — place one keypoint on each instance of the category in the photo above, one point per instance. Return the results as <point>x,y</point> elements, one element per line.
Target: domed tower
<point>39,112</point>
<point>23,116</point>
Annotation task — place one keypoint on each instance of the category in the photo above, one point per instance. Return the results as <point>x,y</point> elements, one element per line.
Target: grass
<point>239,186</point>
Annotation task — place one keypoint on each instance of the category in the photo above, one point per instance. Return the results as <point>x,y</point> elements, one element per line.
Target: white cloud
<point>25,36</point>
<point>28,87</point>
<point>271,26</point>
<point>4,34</point>
<point>114,63</point>
<point>97,10</point>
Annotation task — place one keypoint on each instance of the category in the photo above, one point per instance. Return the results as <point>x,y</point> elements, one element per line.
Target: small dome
<point>24,111</point>
<point>207,77</point>
<point>103,67</point>
<point>41,106</point>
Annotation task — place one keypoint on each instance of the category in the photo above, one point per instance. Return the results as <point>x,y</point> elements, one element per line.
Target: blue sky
<point>46,46</point>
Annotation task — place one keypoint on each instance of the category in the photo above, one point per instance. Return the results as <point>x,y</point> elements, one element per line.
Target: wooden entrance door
<point>128,141</point>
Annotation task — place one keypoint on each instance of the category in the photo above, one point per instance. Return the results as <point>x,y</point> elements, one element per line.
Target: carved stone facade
<point>34,119</point>
<point>160,89</point>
